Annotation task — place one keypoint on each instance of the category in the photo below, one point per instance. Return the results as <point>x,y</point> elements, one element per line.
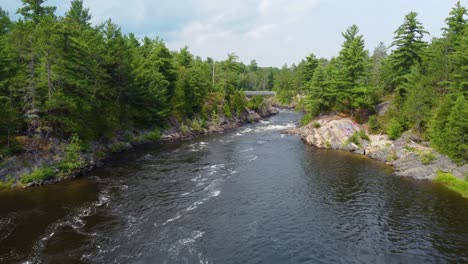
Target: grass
<point>39,174</point>
<point>8,183</point>
<point>453,183</point>
<point>356,138</point>
<point>118,147</point>
<point>427,157</point>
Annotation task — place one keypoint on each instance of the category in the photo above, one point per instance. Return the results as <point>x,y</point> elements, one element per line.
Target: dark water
<point>249,196</point>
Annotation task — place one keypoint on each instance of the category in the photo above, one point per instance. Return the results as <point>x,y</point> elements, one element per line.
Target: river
<point>251,195</point>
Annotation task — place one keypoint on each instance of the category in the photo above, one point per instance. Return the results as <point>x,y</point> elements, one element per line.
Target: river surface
<point>252,195</point>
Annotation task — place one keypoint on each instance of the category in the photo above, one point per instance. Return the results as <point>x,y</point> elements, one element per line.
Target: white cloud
<point>252,29</point>
<point>271,31</point>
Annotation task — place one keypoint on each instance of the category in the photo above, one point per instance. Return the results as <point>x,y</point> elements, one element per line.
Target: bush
<point>453,183</point>
<point>394,129</point>
<point>256,102</point>
<point>72,160</point>
<point>427,158</point>
<point>215,119</point>
<point>317,125</point>
<point>153,136</point>
<point>306,119</point>
<point>227,111</point>
<point>38,175</point>
<point>8,183</point>
<point>373,124</point>
<point>197,125</point>
<point>239,102</point>
<point>356,137</point>
<point>184,129</point>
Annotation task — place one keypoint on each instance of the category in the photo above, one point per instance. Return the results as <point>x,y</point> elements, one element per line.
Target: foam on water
<point>246,150</point>
<point>175,218</point>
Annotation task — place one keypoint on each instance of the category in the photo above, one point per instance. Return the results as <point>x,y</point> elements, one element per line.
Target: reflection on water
<point>252,195</point>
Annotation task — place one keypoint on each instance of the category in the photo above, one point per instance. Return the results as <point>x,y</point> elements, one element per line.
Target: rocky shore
<point>53,151</point>
<point>409,155</point>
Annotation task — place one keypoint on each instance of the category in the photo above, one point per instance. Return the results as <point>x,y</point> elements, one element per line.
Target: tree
<point>34,10</point>
<point>408,43</point>
<point>78,13</point>
<point>450,138</point>
<point>353,59</point>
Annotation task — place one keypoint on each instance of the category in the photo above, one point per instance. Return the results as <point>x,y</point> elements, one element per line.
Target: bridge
<point>260,93</point>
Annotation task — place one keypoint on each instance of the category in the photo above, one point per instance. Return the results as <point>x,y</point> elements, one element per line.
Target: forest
<point>424,83</point>
<point>61,76</point>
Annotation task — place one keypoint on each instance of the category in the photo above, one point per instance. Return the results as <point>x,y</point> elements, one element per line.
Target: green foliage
<point>453,183</point>
<point>427,158</point>
<point>185,129</point>
<point>255,103</point>
<point>373,123</point>
<point>197,125</point>
<point>316,125</point>
<point>117,147</point>
<point>227,111</point>
<point>306,119</point>
<point>239,102</point>
<point>394,129</point>
<point>8,183</point>
<point>356,138</point>
<point>215,121</point>
<point>408,43</point>
<point>72,160</point>
<point>448,129</point>
<point>153,136</point>
<point>38,175</point>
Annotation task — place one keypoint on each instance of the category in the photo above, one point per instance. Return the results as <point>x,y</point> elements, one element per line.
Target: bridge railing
<point>259,93</point>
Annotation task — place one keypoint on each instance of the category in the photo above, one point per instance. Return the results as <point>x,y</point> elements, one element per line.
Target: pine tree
<point>409,45</point>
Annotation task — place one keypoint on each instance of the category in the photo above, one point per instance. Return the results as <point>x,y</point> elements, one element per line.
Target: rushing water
<point>252,195</point>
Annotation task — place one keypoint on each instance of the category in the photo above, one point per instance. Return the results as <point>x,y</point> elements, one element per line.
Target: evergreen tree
<point>409,44</point>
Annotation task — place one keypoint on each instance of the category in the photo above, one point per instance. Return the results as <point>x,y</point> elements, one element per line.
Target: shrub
<point>238,102</point>
<point>197,125</point>
<point>184,129</point>
<point>227,111</point>
<point>394,129</point>
<point>356,137</point>
<point>306,119</point>
<point>38,175</point>
<point>256,102</point>
<point>72,160</point>
<point>427,158</point>
<point>215,119</point>
<point>317,125</point>
<point>362,134</point>
<point>9,181</point>
<point>153,136</point>
<point>373,124</point>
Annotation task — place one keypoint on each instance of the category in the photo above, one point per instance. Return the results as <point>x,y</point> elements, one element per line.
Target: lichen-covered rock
<point>330,132</point>
<point>410,156</point>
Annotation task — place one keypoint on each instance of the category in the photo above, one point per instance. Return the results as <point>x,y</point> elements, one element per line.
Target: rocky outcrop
<point>408,155</point>
<point>331,132</point>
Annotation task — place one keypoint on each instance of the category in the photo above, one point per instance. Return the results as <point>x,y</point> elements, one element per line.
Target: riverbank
<point>56,160</point>
<point>409,155</point>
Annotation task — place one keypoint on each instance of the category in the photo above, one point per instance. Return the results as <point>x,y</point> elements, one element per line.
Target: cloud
<point>271,31</point>
<point>252,29</point>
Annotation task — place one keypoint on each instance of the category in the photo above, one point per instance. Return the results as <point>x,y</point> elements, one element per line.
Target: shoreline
<point>100,151</point>
<point>409,156</point>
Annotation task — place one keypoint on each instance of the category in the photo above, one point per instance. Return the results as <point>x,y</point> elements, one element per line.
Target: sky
<point>273,32</point>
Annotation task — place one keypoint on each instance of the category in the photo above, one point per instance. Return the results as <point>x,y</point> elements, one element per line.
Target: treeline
<point>61,76</point>
<point>426,83</point>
